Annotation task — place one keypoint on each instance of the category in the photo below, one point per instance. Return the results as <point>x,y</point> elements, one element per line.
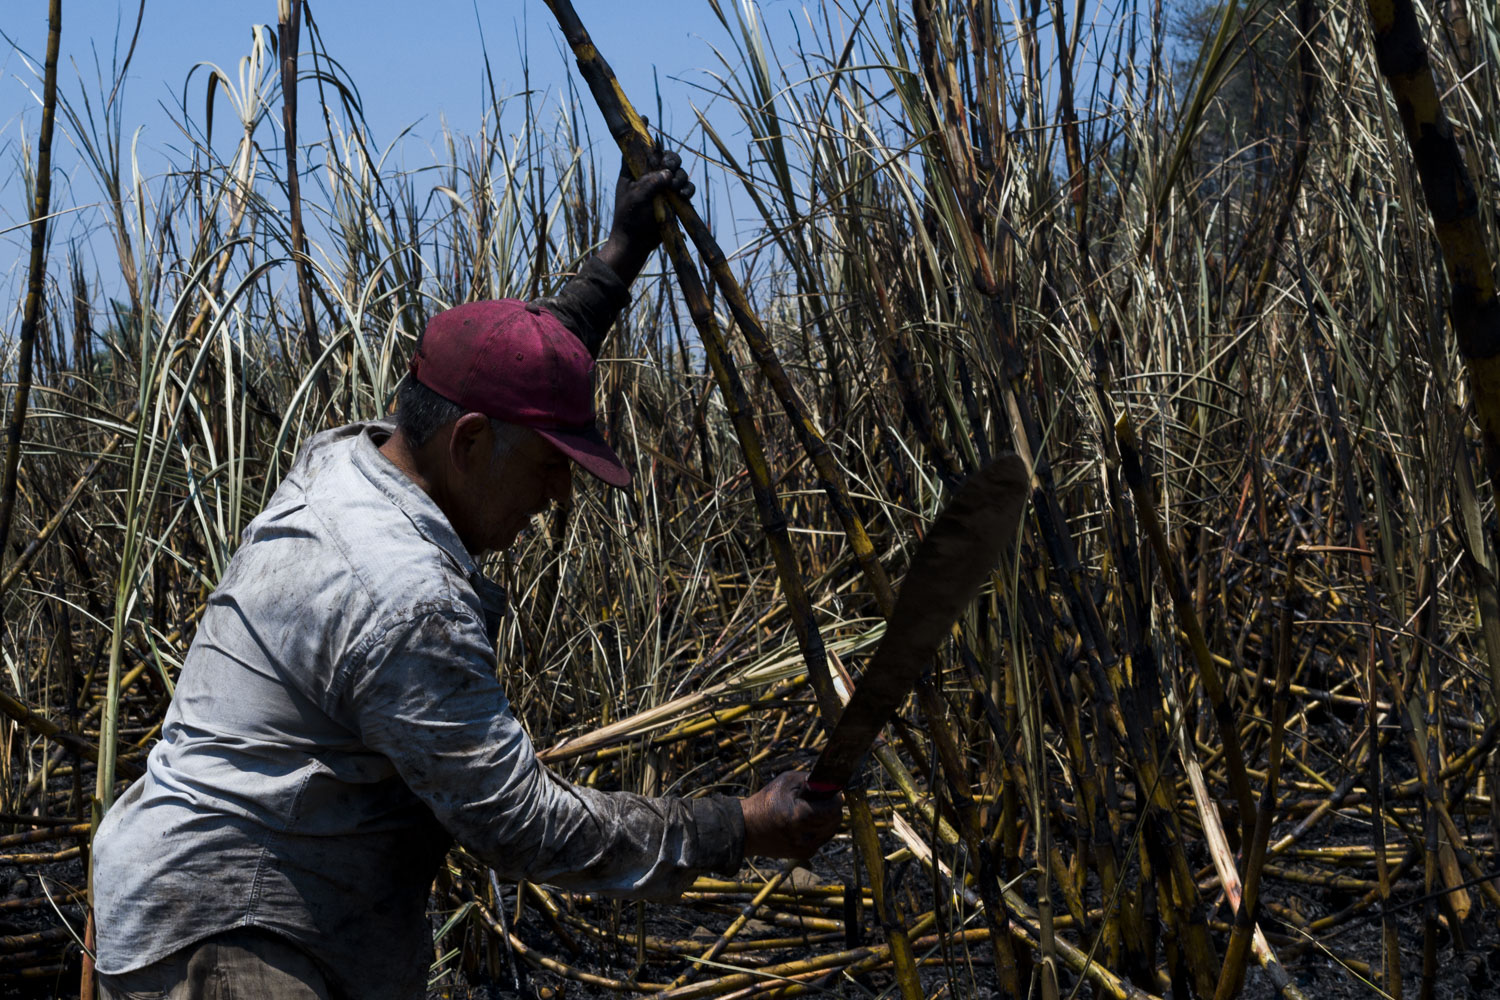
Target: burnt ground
<point>1343,963</point>
<point>39,957</point>
<point>39,914</point>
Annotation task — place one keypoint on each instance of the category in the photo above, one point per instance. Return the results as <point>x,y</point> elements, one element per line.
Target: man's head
<point>497,406</point>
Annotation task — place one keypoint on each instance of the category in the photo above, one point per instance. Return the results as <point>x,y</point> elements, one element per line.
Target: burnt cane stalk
<point>36,276</point>
<point>1473,310</point>
<point>288,32</point>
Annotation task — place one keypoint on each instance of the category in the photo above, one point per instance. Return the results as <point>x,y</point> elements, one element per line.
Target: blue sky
<point>413,64</point>
<point>410,61</point>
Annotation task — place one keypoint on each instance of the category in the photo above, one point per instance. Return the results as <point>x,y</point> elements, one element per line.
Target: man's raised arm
<point>593,298</point>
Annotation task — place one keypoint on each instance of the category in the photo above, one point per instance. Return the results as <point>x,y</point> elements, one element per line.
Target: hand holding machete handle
<point>783,821</point>
<point>952,563</point>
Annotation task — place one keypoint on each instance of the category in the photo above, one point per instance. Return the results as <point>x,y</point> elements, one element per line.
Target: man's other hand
<point>635,232</point>
<point>782,822</point>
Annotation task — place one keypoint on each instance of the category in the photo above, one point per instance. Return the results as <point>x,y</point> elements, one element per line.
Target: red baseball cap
<point>519,364</point>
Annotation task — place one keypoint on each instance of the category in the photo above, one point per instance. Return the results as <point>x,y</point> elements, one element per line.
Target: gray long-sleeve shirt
<point>338,721</point>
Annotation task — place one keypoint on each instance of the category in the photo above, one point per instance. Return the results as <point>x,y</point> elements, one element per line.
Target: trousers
<point>241,964</point>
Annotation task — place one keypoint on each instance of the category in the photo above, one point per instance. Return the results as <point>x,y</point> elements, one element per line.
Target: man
<point>339,722</point>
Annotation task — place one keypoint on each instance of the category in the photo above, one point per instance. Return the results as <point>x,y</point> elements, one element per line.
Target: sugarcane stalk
<point>1175,886</point>
<point>959,785</point>
<point>1390,939</point>
<point>1083,770</point>
<point>1028,688</point>
<point>1027,928</point>
<point>289,31</point>
<point>36,279</point>
<point>1473,309</point>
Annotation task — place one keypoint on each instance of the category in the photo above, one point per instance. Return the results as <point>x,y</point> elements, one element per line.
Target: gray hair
<point>420,412</point>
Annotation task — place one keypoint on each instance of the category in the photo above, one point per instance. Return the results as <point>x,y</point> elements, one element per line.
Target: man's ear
<point>470,444</point>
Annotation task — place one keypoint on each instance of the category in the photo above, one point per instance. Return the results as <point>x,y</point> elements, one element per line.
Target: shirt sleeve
<point>589,303</point>
<point>426,696</point>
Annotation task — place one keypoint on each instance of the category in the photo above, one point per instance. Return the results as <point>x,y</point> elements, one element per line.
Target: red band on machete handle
<point>820,791</point>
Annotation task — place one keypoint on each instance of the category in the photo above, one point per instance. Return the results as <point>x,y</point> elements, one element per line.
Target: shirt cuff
<point>721,832</point>
<point>589,303</point>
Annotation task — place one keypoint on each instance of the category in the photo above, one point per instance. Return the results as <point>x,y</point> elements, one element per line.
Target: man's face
<point>501,495</point>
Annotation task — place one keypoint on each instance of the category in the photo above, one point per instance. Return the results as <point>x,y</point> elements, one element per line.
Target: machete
<point>950,565</point>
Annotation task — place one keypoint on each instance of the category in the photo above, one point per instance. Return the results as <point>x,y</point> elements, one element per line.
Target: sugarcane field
<point>879,499</point>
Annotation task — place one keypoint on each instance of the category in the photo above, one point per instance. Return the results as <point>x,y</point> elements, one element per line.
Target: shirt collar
<point>430,521</point>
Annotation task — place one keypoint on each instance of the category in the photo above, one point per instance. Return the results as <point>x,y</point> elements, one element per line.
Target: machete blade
<point>950,565</point>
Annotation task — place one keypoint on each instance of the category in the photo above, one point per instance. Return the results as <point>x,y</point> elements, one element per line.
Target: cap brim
<point>586,446</point>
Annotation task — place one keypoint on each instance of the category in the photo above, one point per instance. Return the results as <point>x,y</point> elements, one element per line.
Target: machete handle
<point>821,791</point>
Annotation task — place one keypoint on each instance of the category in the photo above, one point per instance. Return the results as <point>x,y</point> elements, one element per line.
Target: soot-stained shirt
<point>339,721</point>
